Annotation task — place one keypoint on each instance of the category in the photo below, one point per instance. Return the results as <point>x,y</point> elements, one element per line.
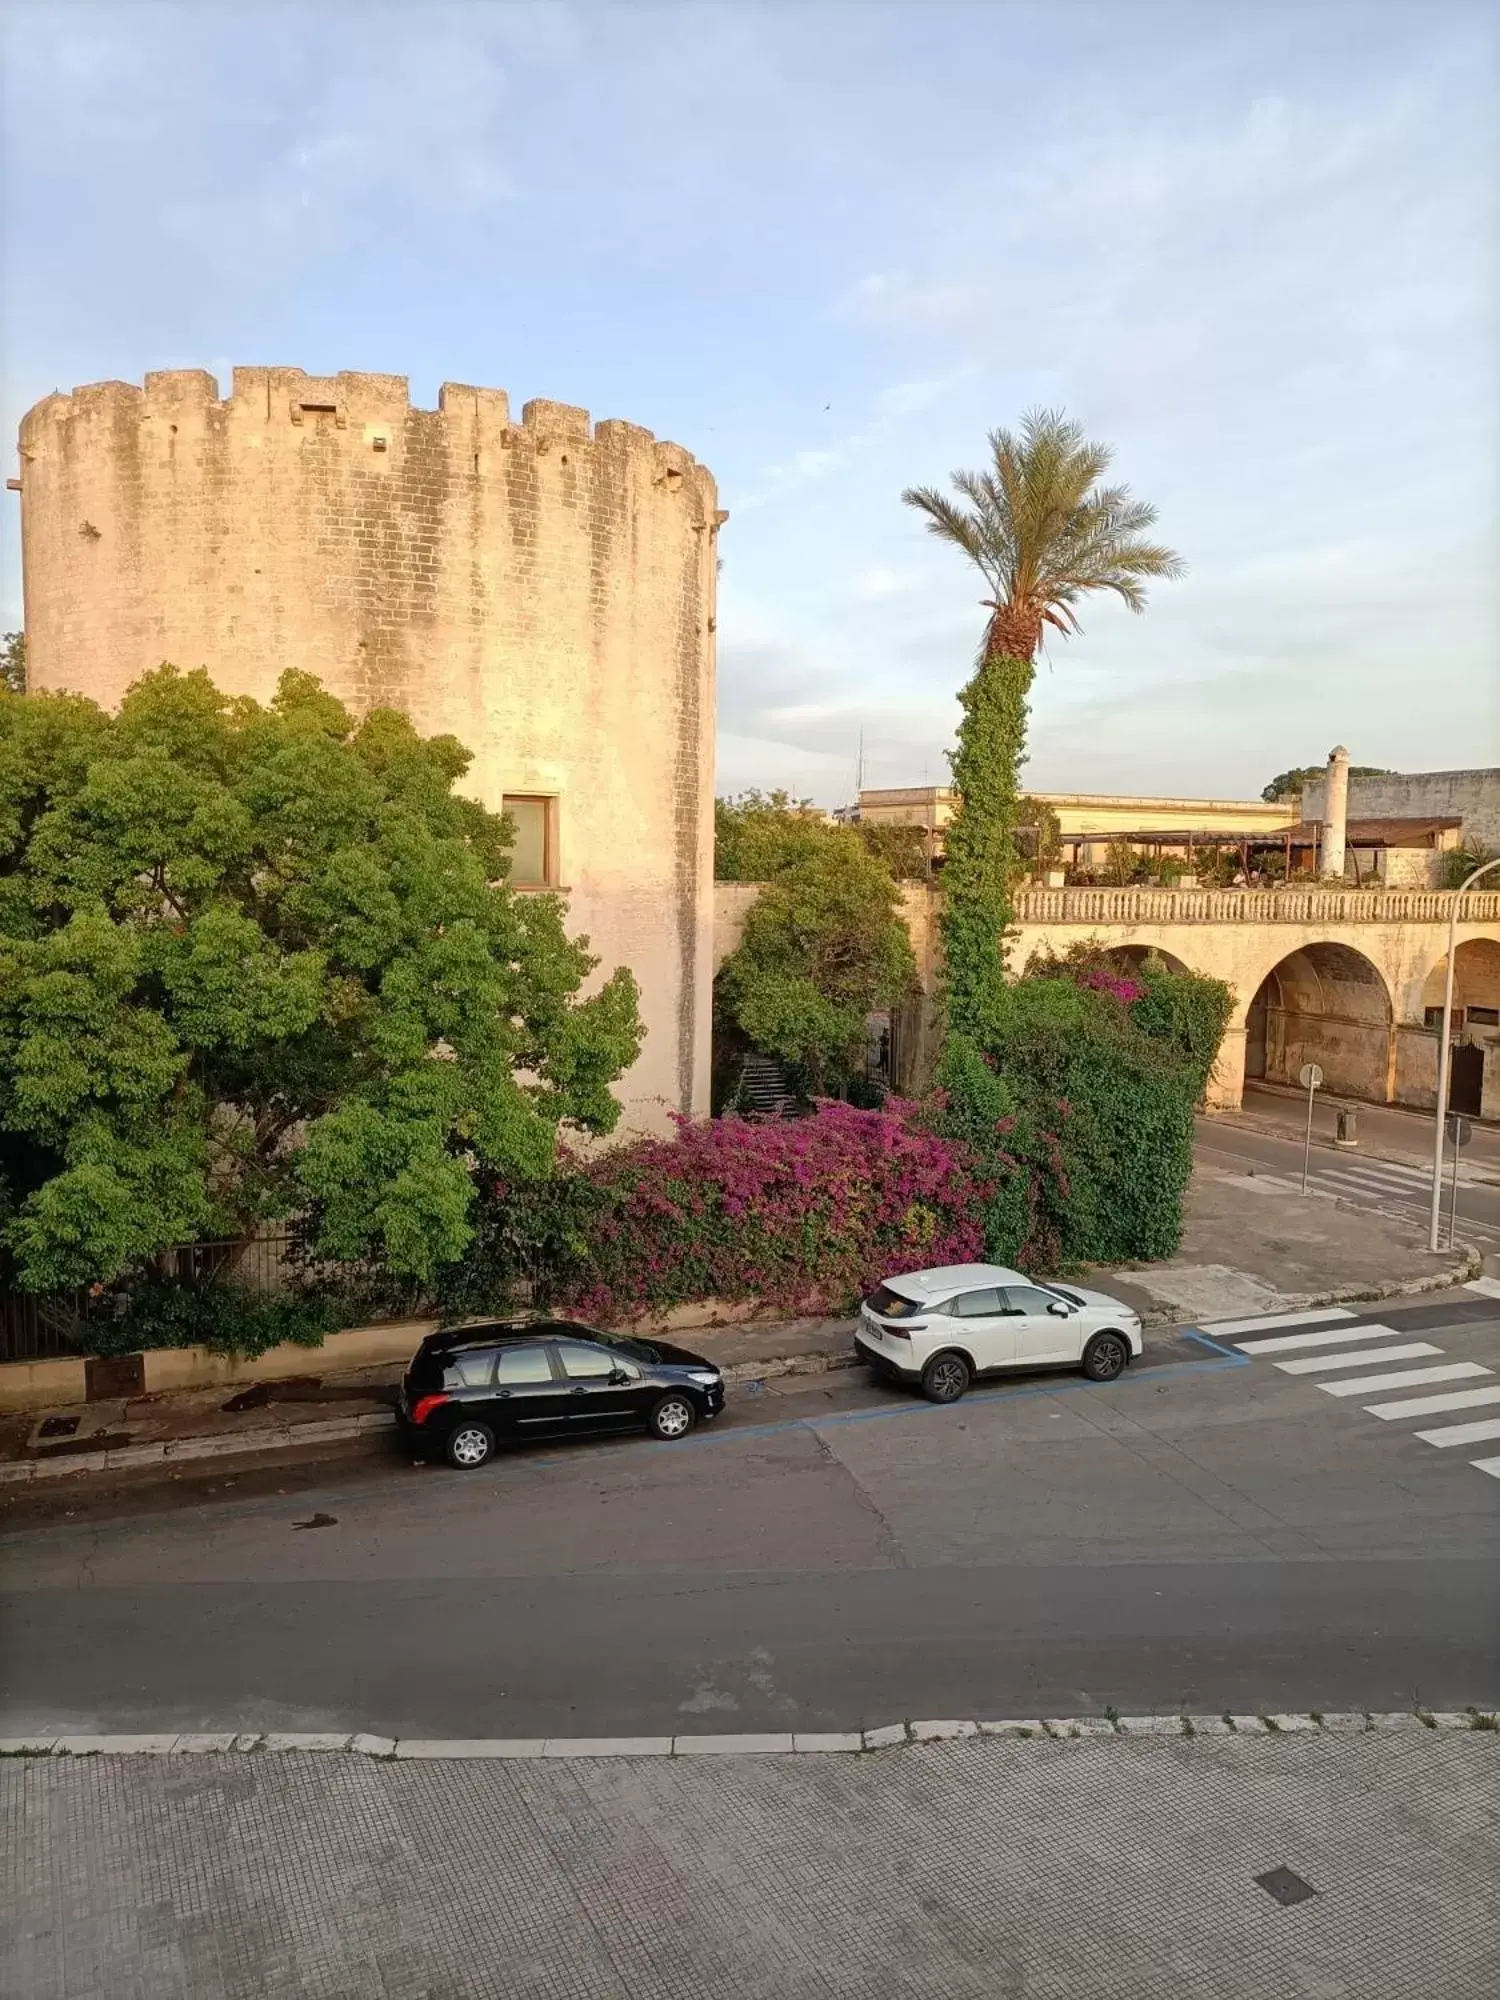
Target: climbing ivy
<point>980,865</point>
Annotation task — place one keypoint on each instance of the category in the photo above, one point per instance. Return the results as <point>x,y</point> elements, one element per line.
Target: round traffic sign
<point>1460,1129</point>
<point>1310,1076</point>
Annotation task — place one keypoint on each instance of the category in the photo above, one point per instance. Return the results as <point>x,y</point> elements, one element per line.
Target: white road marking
<point>1363,1178</point>
<point>1406,1351</point>
<point>1488,1288</point>
<point>1267,1320</point>
<point>1452,1371</point>
<point>1489,1465</point>
<point>1340,1337</point>
<point>1434,1406</point>
<point>1450,1434</point>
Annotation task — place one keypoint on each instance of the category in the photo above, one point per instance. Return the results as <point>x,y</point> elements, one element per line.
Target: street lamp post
<point>1444,1046</point>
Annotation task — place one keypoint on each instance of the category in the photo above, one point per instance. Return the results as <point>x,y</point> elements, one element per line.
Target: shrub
<point>798,1214</point>
<point>222,1316</point>
<point>1081,1105</point>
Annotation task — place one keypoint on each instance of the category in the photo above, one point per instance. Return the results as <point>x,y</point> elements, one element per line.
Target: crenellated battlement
<point>368,407</point>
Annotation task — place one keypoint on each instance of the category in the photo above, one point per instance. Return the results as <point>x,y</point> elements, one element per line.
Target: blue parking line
<point>1225,1357</point>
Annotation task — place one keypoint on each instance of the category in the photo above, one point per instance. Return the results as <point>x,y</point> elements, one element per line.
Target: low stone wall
<point>47,1385</point>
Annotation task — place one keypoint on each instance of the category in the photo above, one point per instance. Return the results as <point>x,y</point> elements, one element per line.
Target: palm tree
<point>1042,532</point>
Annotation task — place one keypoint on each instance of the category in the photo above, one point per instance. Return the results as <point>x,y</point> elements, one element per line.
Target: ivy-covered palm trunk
<point>980,868</point>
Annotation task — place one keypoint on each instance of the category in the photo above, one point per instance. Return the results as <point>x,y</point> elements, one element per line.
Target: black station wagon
<point>470,1388</point>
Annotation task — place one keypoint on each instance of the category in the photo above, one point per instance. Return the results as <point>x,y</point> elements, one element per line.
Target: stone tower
<point>542,590</point>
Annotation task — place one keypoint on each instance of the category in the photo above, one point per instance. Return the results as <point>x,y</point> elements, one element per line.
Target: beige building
<point>542,590</point>
<point>1287,837</point>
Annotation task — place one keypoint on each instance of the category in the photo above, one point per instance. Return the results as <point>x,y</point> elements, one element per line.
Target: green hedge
<point>223,1317</point>
<point>1082,1096</point>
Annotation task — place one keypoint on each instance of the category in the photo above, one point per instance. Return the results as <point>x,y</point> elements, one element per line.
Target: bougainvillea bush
<point>798,1214</point>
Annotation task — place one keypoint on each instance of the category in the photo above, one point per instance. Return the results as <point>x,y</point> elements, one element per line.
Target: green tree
<point>13,663</point>
<point>757,833</point>
<point>1043,534</point>
<point>823,948</point>
<point>1289,784</point>
<point>258,962</point>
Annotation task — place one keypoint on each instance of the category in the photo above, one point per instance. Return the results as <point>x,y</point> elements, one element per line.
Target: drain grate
<point>57,1427</point>
<point>1286,1887</point>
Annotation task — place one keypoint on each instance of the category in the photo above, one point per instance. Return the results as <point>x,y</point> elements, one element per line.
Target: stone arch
<point>1329,1004</point>
<point>1130,955</point>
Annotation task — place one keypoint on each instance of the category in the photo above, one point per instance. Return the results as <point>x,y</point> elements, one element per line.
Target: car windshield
<point>1061,1292</point>
<point>637,1350</point>
<point>891,1305</point>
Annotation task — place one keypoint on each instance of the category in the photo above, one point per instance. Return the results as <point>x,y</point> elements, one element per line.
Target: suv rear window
<point>470,1368</point>
<point>891,1305</point>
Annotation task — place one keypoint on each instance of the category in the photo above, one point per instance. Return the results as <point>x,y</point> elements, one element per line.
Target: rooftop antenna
<point>859,766</point>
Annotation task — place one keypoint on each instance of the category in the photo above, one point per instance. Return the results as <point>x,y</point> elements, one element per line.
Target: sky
<point>829,248</point>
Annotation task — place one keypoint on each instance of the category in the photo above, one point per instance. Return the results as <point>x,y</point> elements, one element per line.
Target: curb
<point>897,1735</point>
<point>217,1444</point>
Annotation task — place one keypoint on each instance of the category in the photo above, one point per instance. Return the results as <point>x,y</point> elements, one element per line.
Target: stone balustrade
<point>1314,905</point>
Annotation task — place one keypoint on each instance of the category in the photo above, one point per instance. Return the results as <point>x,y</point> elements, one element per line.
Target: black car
<point>471,1387</point>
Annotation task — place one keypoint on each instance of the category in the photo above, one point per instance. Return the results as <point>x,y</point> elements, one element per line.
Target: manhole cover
<point>1286,1887</point>
<point>57,1427</point>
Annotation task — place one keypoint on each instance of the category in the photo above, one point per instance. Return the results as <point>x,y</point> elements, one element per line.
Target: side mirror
<point>618,1375</point>
<point>1062,1311</point>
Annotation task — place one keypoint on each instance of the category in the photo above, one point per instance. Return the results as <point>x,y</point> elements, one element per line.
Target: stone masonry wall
<point>544,591</point>
<point>1472,796</point>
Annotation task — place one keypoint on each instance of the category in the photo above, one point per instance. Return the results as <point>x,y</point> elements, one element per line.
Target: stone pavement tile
<point>373,1746</point>
<point>607,1746</point>
<point>1208,1725</point>
<point>1446,1718</point>
<point>117,1746</point>
<point>198,1746</point>
<point>1080,1725</point>
<point>42,1746</point>
<point>1347,1722</point>
<point>942,1732</point>
<point>730,1746</point>
<point>1291,1725</point>
<point>886,1738</point>
<point>418,1748</point>
<point>1248,1725</point>
<point>1011,1729</point>
<point>1150,1725</point>
<point>828,1741</point>
<point>1397,1719</point>
<point>312,1740</point>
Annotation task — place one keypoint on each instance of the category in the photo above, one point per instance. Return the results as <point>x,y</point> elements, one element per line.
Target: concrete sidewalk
<point>1111,1866</point>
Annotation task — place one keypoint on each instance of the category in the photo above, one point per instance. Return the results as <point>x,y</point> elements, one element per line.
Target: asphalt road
<point>1395,1187</point>
<point>1211,1531</point>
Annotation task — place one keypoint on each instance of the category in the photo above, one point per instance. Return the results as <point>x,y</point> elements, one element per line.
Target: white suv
<point>942,1328</point>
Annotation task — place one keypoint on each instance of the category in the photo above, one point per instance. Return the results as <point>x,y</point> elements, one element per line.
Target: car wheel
<point>469,1445</point>
<point>1105,1357</point>
<point>945,1378</point>
<point>673,1417</point>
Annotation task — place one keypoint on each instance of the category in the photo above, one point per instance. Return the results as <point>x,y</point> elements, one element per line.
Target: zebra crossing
<point>1328,1343</point>
<point>1385,1184</point>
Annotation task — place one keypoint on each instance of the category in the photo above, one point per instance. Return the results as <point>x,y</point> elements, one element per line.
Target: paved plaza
<point>1106,1866</point>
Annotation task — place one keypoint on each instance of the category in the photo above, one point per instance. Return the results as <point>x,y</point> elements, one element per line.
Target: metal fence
<point>45,1326</point>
